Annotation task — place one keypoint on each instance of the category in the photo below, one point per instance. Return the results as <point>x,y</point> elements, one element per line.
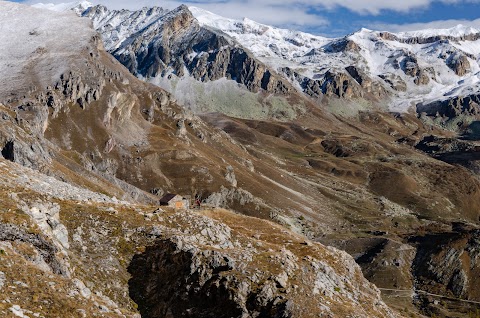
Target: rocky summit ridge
<point>178,48</point>
<point>374,66</point>
<point>286,156</point>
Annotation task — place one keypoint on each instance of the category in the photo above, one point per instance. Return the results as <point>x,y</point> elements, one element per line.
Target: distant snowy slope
<point>457,31</point>
<point>418,67</point>
<point>114,25</point>
<point>77,6</point>
<point>37,49</point>
<point>262,40</point>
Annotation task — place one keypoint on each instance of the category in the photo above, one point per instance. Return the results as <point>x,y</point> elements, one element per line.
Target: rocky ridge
<point>365,67</point>
<point>52,246</point>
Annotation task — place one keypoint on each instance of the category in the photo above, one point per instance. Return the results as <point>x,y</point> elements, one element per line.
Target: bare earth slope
<point>40,43</point>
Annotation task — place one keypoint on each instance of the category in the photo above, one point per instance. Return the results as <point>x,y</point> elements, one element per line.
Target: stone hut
<point>175,201</point>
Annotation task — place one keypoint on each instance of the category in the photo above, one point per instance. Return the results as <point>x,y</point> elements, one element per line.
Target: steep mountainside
<point>370,184</point>
<point>171,49</point>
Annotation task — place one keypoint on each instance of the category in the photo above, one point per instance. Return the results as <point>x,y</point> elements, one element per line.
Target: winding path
<point>418,291</point>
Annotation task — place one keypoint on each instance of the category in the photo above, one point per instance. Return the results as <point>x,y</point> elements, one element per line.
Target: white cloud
<point>359,6</point>
<point>440,24</point>
<point>362,6</point>
<point>292,13</point>
<point>266,12</point>
<point>283,15</point>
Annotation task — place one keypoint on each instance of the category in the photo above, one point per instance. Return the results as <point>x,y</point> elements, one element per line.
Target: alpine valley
<point>328,177</point>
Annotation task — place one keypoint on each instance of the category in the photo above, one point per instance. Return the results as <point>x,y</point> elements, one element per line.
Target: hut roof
<point>168,197</point>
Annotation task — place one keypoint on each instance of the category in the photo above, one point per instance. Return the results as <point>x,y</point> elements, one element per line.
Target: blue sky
<point>330,17</point>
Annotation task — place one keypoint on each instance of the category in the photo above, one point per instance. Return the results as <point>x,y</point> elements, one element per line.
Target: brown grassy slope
<point>104,237</point>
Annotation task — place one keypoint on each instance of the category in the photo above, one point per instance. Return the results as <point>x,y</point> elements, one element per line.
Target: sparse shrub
<point>273,214</point>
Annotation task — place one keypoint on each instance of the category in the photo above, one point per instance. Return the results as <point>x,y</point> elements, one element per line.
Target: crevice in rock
<point>8,151</point>
<point>47,250</point>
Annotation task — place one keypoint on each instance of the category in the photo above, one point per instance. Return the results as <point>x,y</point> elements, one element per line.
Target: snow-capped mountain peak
<point>457,31</point>
<point>263,40</point>
<point>205,17</point>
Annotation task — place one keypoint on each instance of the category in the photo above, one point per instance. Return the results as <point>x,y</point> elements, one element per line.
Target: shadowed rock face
<point>451,108</point>
<point>8,151</point>
<point>448,264</point>
<point>166,46</point>
<point>162,284</point>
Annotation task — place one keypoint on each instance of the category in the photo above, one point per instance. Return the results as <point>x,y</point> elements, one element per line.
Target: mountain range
<point>293,142</point>
<point>438,65</point>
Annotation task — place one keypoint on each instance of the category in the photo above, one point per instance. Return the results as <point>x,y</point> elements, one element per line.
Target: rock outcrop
<point>428,39</point>
<point>459,63</point>
<point>176,43</point>
<point>46,250</point>
<point>453,107</point>
<point>352,83</point>
<point>342,45</point>
<point>232,276</point>
<point>411,68</point>
<point>448,264</point>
